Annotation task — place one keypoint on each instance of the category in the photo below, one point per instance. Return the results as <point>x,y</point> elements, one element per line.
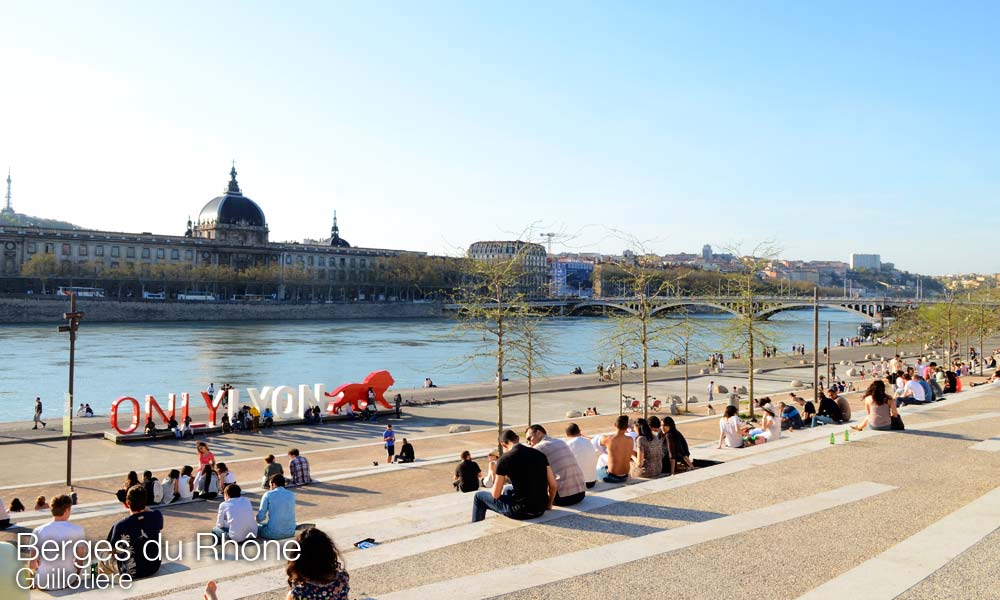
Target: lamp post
<point>74,317</point>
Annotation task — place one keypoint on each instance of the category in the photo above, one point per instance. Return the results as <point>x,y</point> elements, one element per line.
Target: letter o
<point>135,414</point>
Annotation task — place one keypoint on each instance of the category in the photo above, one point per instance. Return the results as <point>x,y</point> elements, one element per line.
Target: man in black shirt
<point>467,474</point>
<point>534,484</point>
<point>806,408</point>
<point>829,410</point>
<point>405,453</point>
<point>140,531</point>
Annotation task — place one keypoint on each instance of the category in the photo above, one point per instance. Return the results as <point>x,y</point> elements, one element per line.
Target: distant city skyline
<point>832,128</point>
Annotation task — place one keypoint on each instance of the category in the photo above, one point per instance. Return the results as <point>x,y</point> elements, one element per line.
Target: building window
<point>363,263</point>
<point>130,252</point>
<point>82,250</point>
<point>65,250</point>
<point>49,248</point>
<point>288,259</point>
<point>145,252</point>
<point>115,251</point>
<point>31,247</point>
<point>342,263</point>
<point>354,263</point>
<point>310,261</point>
<point>175,254</point>
<point>321,261</point>
<point>98,250</point>
<point>160,253</point>
<point>188,255</point>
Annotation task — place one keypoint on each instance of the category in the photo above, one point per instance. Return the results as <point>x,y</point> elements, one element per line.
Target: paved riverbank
<point>665,381</point>
<point>798,501</point>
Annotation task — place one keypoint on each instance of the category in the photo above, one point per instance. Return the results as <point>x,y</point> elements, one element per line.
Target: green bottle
<point>847,435</point>
<point>832,440</point>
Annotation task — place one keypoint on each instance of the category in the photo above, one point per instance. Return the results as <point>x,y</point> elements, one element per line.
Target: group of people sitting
<point>236,520</point>
<point>798,413</point>
<point>84,411</point>
<point>542,471</point>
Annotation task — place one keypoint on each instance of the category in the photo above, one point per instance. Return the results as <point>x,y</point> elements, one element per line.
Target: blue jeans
<point>503,505</point>
<point>219,531</point>
<point>822,419</point>
<point>604,475</point>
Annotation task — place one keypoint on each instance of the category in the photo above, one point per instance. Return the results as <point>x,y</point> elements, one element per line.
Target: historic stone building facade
<point>531,257</point>
<point>230,231</point>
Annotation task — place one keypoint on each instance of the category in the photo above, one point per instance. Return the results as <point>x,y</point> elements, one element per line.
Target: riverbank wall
<point>103,310</point>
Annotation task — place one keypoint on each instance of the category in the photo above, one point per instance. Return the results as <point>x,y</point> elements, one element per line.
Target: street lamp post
<point>74,317</point>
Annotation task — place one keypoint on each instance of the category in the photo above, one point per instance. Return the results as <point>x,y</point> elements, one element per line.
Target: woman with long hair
<point>677,446</point>
<point>881,407</point>
<point>318,573</point>
<point>205,456</point>
<point>130,480</point>
<point>647,459</point>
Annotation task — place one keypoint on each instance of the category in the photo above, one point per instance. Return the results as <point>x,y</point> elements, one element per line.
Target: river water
<point>113,359</point>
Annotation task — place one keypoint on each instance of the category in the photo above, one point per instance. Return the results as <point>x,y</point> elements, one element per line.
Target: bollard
<point>832,440</point>
<point>847,435</point>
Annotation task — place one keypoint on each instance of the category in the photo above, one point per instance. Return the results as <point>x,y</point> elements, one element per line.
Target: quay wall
<point>103,310</point>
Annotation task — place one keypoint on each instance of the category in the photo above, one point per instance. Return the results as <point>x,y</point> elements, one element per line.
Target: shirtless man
<point>619,447</point>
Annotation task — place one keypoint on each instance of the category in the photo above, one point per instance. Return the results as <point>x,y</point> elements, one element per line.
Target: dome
<point>233,208</point>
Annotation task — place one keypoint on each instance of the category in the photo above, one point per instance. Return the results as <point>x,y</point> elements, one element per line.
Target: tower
<point>335,239</point>
<point>8,209</point>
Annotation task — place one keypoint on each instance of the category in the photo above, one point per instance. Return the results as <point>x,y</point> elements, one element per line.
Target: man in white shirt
<point>585,453</point>
<point>236,518</point>
<point>59,532</point>
<point>913,392</point>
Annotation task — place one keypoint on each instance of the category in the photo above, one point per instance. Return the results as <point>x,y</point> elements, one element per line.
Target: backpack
<point>157,491</point>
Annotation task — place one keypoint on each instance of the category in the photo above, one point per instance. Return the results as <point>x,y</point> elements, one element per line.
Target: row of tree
<point>493,307</point>
<point>959,321</point>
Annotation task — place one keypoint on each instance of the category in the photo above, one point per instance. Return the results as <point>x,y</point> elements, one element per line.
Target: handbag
<point>896,423</point>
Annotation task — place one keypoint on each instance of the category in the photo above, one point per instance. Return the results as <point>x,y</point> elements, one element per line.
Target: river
<point>115,359</point>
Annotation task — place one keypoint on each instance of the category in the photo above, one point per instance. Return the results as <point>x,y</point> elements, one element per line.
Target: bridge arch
<point>673,305</point>
<point>857,309</point>
<point>599,303</point>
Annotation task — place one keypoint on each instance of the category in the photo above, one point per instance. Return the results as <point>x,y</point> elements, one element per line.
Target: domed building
<point>231,217</point>
<point>230,231</point>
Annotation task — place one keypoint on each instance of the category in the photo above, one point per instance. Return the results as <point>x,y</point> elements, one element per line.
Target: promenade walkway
<point>917,512</point>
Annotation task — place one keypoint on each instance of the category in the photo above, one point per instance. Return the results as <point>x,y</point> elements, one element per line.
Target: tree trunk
<point>645,370</point>
<point>686,394</point>
<point>750,372</point>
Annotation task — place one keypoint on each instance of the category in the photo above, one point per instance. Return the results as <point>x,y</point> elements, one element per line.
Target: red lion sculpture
<point>357,393</point>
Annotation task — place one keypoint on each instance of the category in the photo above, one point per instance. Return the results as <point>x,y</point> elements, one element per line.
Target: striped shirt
<point>569,476</point>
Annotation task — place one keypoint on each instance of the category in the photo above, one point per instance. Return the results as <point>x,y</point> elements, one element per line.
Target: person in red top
<point>205,457</point>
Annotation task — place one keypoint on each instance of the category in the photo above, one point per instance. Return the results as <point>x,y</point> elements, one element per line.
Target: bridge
<point>763,306</point>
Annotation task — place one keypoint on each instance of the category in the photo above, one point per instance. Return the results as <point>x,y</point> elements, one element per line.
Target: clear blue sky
<point>834,127</point>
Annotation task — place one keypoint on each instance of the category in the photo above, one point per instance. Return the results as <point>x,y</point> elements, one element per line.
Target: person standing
<point>389,438</point>
<point>38,413</point>
<point>711,392</point>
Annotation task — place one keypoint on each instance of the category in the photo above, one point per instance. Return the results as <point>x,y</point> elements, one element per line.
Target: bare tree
<point>528,349</point>
<point>643,285</point>
<point>745,330</point>
<point>683,333</point>
<point>491,299</point>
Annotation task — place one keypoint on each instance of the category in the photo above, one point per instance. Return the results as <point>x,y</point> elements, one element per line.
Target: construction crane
<point>550,236</point>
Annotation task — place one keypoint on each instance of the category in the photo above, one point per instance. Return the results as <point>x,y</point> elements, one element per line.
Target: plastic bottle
<point>832,440</point>
<point>847,435</point>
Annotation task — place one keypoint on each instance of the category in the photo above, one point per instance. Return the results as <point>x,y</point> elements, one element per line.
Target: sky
<point>829,127</point>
